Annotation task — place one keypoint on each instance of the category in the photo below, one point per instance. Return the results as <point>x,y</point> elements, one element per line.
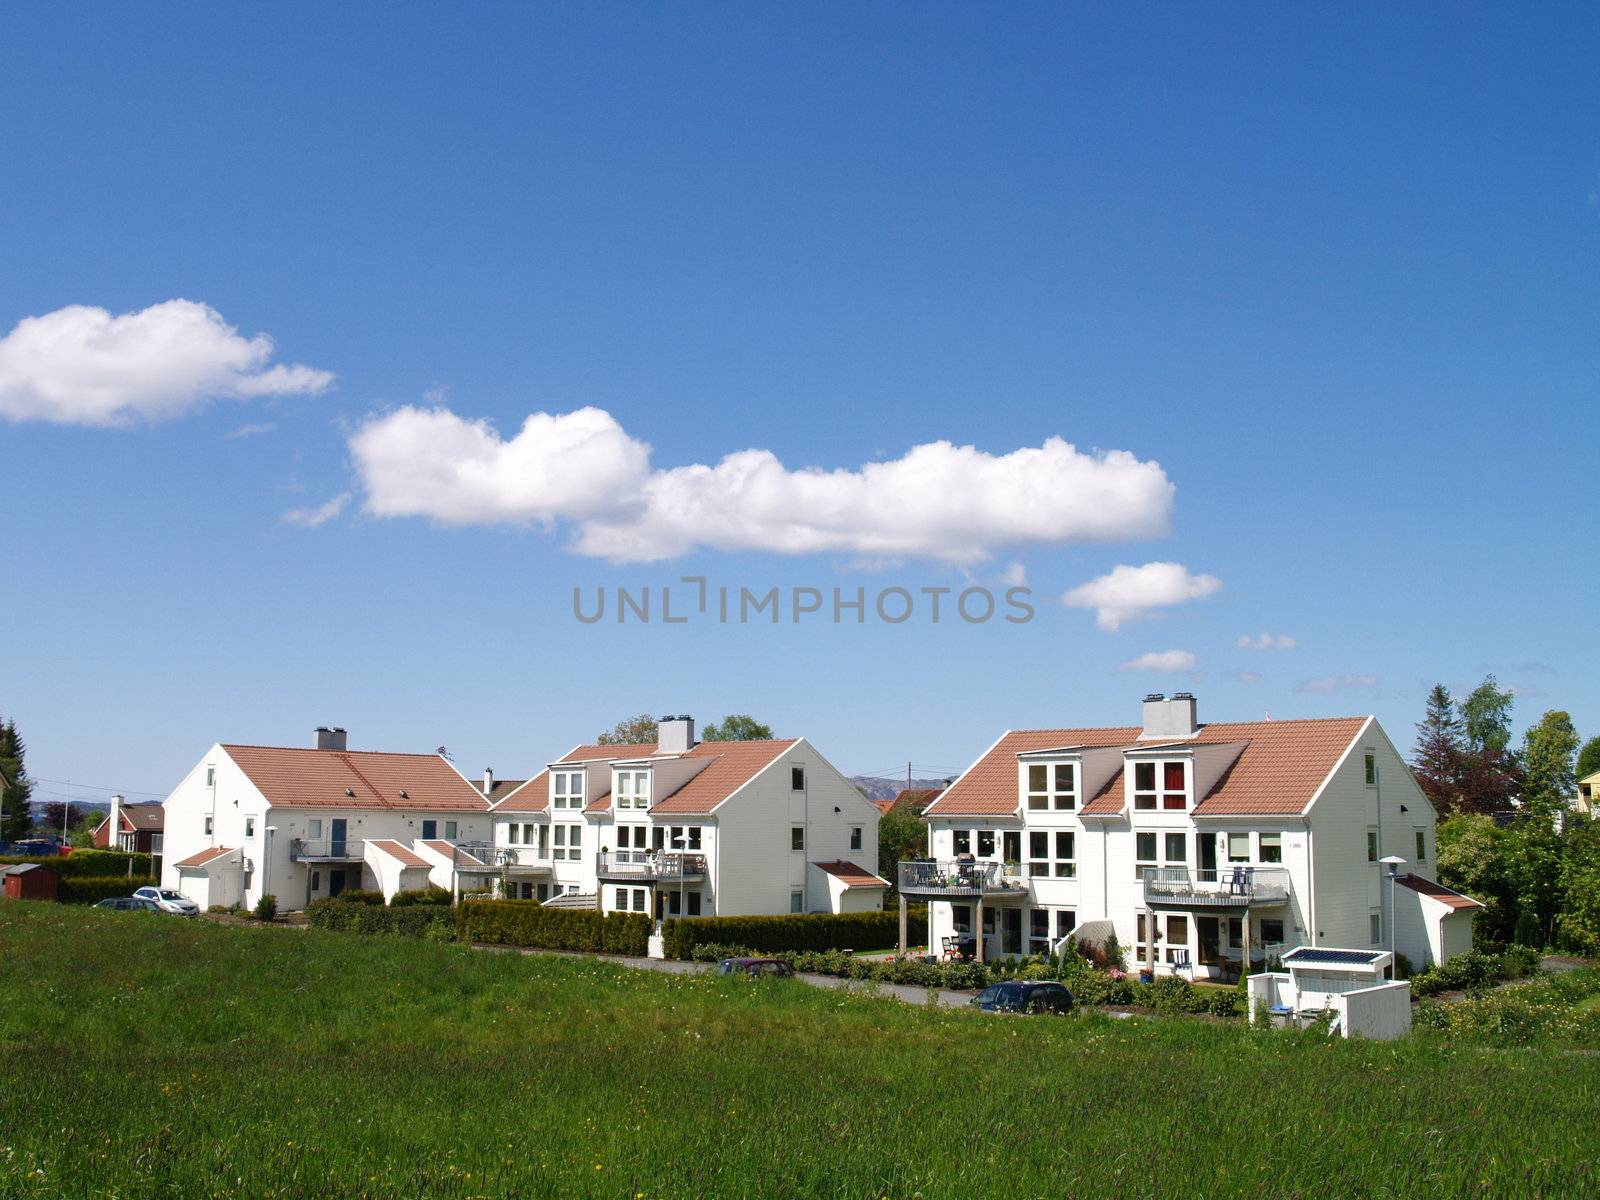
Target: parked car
<point>1020,996</point>
<point>754,968</point>
<point>129,904</point>
<point>170,901</point>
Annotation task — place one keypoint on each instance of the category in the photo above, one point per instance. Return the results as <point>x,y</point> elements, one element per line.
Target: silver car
<point>170,901</point>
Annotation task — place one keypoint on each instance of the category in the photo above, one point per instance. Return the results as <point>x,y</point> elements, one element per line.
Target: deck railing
<point>338,850</point>
<point>1228,887</point>
<point>651,865</point>
<point>960,877</point>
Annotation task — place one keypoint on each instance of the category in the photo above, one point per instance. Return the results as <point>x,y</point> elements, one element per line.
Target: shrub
<point>433,894</point>
<point>359,896</point>
<point>1476,970</point>
<point>794,931</point>
<point>343,916</point>
<point>90,889</point>
<point>266,908</point>
<point>102,864</point>
<point>529,923</point>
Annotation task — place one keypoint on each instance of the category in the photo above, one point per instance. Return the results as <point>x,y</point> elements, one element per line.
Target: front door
<point>1210,932</point>
<point>336,876</point>
<point>1011,931</point>
<point>337,829</point>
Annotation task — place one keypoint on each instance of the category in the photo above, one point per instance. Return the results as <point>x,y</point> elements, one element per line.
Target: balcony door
<point>1010,931</point>
<point>633,844</point>
<point>337,830</point>
<point>1208,851</point>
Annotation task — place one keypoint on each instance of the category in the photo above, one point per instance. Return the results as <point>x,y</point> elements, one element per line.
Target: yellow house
<point>1588,794</point>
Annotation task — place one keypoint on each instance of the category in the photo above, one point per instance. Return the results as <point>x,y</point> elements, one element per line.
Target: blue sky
<point>1337,273</point>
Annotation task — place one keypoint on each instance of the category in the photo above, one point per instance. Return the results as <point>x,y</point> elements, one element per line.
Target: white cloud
<point>1015,575</point>
<point>245,431</point>
<point>1266,641</point>
<point>1337,683</point>
<point>1160,660</point>
<point>82,366</point>
<point>1246,677</point>
<point>1130,593</point>
<point>310,518</point>
<point>941,501</point>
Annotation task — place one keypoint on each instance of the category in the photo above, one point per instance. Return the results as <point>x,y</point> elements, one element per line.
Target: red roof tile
<point>398,852</point>
<point>452,851</point>
<point>532,797</point>
<point>733,764</point>
<point>300,778</point>
<point>1279,770</point>
<point>852,875</point>
<point>1438,891</point>
<point>204,857</point>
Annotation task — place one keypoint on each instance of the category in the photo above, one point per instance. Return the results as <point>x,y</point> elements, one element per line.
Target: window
<point>544,839</point>
<point>797,900</point>
<point>632,789</point>
<point>314,827</point>
<point>1177,936</point>
<point>961,917</point>
<point>430,829</point>
<point>1144,853</point>
<point>1238,847</point>
<point>985,843</point>
<point>450,828</point>
<point>1177,849</point>
<point>1066,921</point>
<point>211,777</point>
<point>568,843</point>
<point>1174,792</point>
<point>631,843</point>
<point>630,899</point>
<point>316,881</point>
<point>211,824</point>
<point>1376,922</point>
<point>797,840</point>
<point>249,827</point>
<point>1272,932</point>
<point>797,779</point>
<point>1038,931</point>
<point>694,904</point>
<point>961,841</point>
<point>1052,786</point>
<point>1422,845</point>
<point>855,837</point>
<point>1052,854</point>
<point>1144,785</point>
<point>566,789</point>
<point>513,835</point>
<point>1372,769</point>
<point>1372,845</point>
<point>1272,848</point>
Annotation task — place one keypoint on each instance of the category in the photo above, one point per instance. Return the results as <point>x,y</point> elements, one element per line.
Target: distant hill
<point>877,787</point>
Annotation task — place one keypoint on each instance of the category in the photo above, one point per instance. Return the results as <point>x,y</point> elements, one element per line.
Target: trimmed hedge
<point>93,888</point>
<point>99,863</point>
<point>345,916</point>
<point>432,894</point>
<point>795,931</point>
<point>529,923</point>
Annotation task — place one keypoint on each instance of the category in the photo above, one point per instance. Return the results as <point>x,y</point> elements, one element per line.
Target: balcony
<point>651,866</point>
<point>1231,887</point>
<point>331,850</point>
<point>519,860</point>
<point>487,853</point>
<point>961,880</point>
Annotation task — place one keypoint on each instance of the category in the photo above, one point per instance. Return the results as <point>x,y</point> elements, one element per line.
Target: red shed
<point>30,881</point>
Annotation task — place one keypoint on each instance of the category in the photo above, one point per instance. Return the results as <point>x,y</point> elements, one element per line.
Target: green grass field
<point>145,1056</point>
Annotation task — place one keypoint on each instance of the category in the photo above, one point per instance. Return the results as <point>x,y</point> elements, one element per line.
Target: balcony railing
<point>522,857</point>
<point>1230,887</point>
<point>650,865</point>
<point>487,853</point>
<point>958,878</point>
<point>326,849</point>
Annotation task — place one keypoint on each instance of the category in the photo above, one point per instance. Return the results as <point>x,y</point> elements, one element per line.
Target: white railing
<point>1230,887</point>
<point>651,864</point>
<point>959,877</point>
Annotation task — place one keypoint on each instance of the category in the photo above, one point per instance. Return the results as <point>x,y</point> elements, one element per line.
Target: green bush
<point>794,931</point>
<point>1476,970</point>
<point>359,896</point>
<point>433,894</point>
<point>529,923</point>
<point>101,864</point>
<point>344,916</point>
<point>266,908</point>
<point>90,889</point>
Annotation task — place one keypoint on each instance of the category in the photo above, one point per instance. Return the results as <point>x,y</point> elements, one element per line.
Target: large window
<point>1052,854</point>
<point>677,837</point>
<point>1052,786</point>
<point>566,789</point>
<point>1172,792</point>
<point>1177,848</point>
<point>1172,937</point>
<point>629,899</point>
<point>568,843</point>
<point>632,789</point>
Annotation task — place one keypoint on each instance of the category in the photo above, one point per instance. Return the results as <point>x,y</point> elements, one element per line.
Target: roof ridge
<point>314,750</point>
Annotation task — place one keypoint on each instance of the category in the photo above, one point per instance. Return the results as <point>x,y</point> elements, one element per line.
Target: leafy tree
<point>1589,758</point>
<point>901,835</point>
<point>1471,859</point>
<point>1486,715</point>
<point>737,727</point>
<point>1548,751</point>
<point>1490,774</point>
<point>632,732</point>
<point>1436,759</point>
<point>1580,883</point>
<point>17,819</point>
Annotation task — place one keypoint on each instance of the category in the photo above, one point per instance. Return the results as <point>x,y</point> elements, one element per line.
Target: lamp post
<point>1394,862</point>
<point>681,843</point>
<point>266,860</point>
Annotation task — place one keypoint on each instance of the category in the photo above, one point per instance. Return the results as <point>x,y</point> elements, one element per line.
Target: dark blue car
<point>1019,996</point>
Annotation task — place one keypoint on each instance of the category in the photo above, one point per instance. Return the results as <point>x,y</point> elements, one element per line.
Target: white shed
<point>1350,984</point>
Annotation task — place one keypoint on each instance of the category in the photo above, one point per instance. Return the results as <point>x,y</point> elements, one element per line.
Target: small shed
<point>30,881</point>
<point>1348,983</point>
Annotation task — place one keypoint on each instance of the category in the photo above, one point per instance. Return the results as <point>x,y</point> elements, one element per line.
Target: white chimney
<point>488,780</point>
<point>114,835</point>
<point>330,739</point>
<point>1169,716</point>
<point>674,735</point>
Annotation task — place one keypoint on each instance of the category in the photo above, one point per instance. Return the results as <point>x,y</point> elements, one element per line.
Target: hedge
<point>529,923</point>
<point>89,889</point>
<point>346,916</point>
<point>100,863</point>
<point>796,931</point>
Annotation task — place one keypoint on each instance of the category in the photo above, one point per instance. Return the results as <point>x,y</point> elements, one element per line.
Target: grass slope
<point>149,1056</point>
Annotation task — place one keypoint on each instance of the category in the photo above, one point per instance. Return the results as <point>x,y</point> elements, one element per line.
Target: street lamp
<point>681,843</point>
<point>1394,862</point>
<point>266,860</point>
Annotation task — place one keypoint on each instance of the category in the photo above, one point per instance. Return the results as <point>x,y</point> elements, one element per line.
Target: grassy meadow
<point>147,1056</point>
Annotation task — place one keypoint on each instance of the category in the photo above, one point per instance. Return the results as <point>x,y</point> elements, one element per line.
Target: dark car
<point>1024,997</point>
<point>754,968</point>
<point>130,904</point>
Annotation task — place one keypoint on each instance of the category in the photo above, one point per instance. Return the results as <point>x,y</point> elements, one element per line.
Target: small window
<point>1177,849</point>
<point>797,779</point>
<point>450,828</point>
<point>1422,845</point>
<point>961,917</point>
<point>1272,932</point>
<point>1238,847</point>
<point>1173,790</point>
<point>316,881</point>
<point>211,777</point>
<point>1144,785</point>
<point>249,827</point>
<point>797,901</point>
<point>961,841</point>
<point>314,827</point>
<point>210,825</point>
<point>1066,921</point>
<point>430,829</point>
<point>1372,845</point>
<point>797,840</point>
<point>1144,851</point>
<point>1372,769</point>
<point>1272,847</point>
<point>855,837</point>
<point>1376,922</point>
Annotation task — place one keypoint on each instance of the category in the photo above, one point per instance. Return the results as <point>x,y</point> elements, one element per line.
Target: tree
<point>17,819</point>
<point>1486,715</point>
<point>737,727</point>
<point>1589,758</point>
<point>632,732</point>
<point>1490,776</point>
<point>1580,883</point>
<point>1471,860</point>
<point>1437,756</point>
<point>902,834</point>
<point>1548,751</point>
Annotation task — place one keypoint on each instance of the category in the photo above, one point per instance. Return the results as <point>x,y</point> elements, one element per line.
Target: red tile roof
<point>300,778</point>
<point>852,875</point>
<point>452,851</point>
<point>532,797</point>
<point>396,851</point>
<point>733,764</point>
<point>1279,770</point>
<point>204,857</point>
<point>1438,891</point>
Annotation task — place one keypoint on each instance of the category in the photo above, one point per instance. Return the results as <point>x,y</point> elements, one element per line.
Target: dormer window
<point>566,789</point>
<point>632,789</point>
<point>1052,786</point>
<point>1172,792</point>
